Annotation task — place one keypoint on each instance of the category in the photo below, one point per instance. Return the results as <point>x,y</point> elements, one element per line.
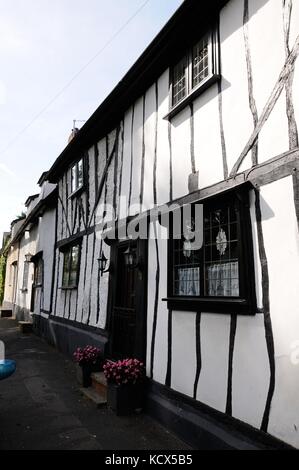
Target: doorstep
<point>98,399</point>
<point>25,327</point>
<point>99,383</point>
<point>5,313</point>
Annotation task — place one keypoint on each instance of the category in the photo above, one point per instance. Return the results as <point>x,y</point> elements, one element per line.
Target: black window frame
<point>245,303</point>
<point>213,76</point>
<point>67,251</point>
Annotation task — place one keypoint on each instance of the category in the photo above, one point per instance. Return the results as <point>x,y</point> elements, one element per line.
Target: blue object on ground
<point>7,368</point>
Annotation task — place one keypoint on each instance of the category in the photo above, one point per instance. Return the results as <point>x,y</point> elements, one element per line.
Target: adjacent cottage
<point>30,258</point>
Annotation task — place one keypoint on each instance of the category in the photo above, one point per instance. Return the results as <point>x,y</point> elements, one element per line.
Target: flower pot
<point>84,372</point>
<point>125,399</point>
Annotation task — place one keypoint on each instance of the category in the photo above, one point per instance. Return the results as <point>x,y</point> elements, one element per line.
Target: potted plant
<point>88,360</point>
<point>125,379</point>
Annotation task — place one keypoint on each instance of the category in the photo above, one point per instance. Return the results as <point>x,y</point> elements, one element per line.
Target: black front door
<point>128,320</point>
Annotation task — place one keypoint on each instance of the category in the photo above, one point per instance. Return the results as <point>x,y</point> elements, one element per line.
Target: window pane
<point>200,62</point>
<point>221,253</point>
<point>74,266</point>
<point>74,178</point>
<point>179,82</point>
<point>187,281</point>
<point>66,267</point>
<point>222,280</point>
<point>80,174</point>
<point>186,268</point>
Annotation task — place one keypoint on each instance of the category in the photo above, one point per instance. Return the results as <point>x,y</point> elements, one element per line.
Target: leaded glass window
<point>212,270</point>
<point>179,83</point>
<point>200,62</point>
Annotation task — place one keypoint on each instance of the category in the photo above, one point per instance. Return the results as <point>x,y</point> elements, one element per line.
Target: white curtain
<point>188,281</point>
<point>223,280</point>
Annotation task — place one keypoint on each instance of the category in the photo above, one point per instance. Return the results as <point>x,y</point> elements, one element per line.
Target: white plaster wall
<point>282,249</point>
<point>110,176</point>
<point>91,176</point>
<point>46,244</point>
<point>181,156</point>
<point>126,170</point>
<point>163,150</point>
<point>266,34</point>
<point>183,366</point>
<point>237,119</point>
<point>149,142</point>
<point>119,167</point>
<point>136,155</point>
<point>294,31</point>
<point>207,142</point>
<point>212,385</point>
<point>161,344</point>
<point>251,373</point>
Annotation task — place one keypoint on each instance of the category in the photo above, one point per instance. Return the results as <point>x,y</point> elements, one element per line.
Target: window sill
<point>77,193</point>
<point>191,97</point>
<point>69,288</point>
<point>212,305</point>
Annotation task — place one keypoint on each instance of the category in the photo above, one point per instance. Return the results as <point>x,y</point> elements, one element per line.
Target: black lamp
<point>102,260</point>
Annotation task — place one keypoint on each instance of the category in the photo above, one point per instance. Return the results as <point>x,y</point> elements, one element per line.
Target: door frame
<point>141,296</point>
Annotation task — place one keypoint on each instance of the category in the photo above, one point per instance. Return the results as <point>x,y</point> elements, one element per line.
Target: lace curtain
<point>188,281</point>
<point>223,280</point>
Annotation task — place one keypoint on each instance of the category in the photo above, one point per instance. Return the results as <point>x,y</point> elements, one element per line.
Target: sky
<point>43,45</point>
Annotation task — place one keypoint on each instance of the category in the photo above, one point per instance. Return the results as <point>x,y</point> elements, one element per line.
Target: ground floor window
<point>222,269</point>
<point>70,274</point>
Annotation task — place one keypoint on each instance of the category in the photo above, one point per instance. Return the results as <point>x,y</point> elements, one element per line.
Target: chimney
<point>74,132</point>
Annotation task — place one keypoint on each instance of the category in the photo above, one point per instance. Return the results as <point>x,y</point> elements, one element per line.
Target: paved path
<point>41,407</point>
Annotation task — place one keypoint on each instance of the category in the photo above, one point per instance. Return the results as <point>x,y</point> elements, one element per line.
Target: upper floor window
<point>77,175</point>
<point>219,274</point>
<point>193,70</point>
<point>71,267</point>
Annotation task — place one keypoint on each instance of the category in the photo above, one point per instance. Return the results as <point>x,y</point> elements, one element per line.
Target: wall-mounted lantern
<point>102,261</point>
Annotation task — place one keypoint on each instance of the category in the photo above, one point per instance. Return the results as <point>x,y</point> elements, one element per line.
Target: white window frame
<point>76,185</point>
<point>25,280</point>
